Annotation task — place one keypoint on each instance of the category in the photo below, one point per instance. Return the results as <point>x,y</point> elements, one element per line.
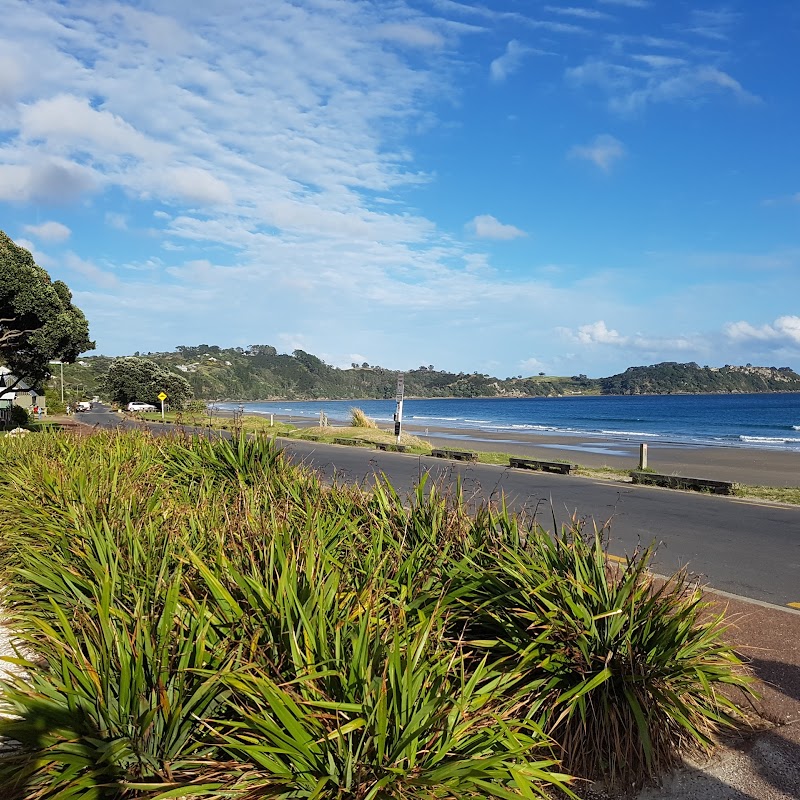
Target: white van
<point>84,405</point>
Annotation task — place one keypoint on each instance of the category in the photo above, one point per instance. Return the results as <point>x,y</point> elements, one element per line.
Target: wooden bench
<point>391,446</point>
<point>456,455</point>
<point>681,482</point>
<point>545,466</point>
<point>352,442</point>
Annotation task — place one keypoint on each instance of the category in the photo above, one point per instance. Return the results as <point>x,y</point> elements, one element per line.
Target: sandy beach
<point>748,465</point>
<point>755,467</point>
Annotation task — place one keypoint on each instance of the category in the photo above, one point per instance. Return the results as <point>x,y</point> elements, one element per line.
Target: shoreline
<point>751,466</point>
<point>747,465</point>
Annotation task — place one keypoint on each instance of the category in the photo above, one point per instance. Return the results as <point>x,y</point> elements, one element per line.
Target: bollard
<point>271,420</point>
<point>642,456</point>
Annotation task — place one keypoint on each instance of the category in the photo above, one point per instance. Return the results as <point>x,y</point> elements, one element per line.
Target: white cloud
<point>116,220</point>
<point>485,226</point>
<point>603,151</point>
<point>595,333</point>
<point>509,62</point>
<point>658,61</point>
<point>68,123</point>
<point>96,276</point>
<point>196,185</point>
<point>49,231</point>
<point>598,333</point>
<point>783,331</point>
<point>531,365</point>
<point>628,3</point>
<point>411,35</point>
<point>713,24</point>
<point>655,79</point>
<point>50,181</point>
<point>578,13</point>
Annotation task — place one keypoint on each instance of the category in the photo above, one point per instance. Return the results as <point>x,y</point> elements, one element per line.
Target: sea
<point>763,421</point>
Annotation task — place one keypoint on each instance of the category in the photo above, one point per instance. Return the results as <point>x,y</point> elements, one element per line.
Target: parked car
<point>84,405</point>
<point>135,406</point>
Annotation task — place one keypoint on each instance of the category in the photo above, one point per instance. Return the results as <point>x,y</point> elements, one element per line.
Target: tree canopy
<point>132,378</point>
<point>38,322</point>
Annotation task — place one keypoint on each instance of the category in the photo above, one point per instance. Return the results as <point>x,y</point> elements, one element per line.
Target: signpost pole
<point>398,414</point>
<point>162,396</point>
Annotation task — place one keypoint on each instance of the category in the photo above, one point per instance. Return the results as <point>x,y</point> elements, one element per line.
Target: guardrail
<point>682,482</point>
<point>391,446</point>
<point>544,466</point>
<point>456,455</point>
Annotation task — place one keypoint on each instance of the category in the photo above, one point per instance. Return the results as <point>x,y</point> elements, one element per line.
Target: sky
<point>508,187</point>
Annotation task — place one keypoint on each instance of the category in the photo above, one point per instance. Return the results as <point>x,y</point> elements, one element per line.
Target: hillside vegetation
<point>261,373</point>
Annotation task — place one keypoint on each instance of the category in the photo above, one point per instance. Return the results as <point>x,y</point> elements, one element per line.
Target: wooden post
<point>642,456</point>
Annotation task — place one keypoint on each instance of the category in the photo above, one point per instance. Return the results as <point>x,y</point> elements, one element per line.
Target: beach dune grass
<point>203,617</point>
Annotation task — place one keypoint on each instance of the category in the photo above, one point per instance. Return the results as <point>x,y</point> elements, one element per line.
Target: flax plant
<point>623,673</point>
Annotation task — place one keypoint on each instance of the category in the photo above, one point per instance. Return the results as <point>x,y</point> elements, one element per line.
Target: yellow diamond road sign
<point>162,396</point>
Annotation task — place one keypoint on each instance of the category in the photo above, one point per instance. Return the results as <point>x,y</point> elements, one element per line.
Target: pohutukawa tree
<point>130,378</point>
<point>38,322</point>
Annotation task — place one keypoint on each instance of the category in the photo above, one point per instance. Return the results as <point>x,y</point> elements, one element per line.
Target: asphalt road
<point>746,548</point>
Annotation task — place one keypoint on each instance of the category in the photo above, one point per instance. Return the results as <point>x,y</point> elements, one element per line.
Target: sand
<point>752,466</point>
<point>740,464</point>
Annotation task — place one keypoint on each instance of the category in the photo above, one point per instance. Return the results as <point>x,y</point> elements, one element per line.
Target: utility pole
<point>398,414</point>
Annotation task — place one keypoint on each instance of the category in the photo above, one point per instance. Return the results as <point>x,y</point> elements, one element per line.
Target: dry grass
<point>358,419</point>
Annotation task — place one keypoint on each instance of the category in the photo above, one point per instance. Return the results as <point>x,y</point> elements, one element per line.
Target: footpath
<point>763,762</point>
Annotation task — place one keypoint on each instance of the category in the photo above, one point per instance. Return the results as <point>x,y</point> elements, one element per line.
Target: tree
<point>38,322</point>
<point>133,378</point>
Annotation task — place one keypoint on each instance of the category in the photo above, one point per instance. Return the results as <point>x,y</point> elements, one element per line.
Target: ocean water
<point>769,421</point>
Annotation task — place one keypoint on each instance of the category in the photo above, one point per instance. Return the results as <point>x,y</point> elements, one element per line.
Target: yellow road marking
<point>793,605</point>
<point>618,559</point>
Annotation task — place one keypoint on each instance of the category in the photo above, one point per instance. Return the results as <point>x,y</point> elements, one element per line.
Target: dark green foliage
<point>141,379</point>
<point>622,666</point>
<point>19,417</point>
<point>673,378</point>
<point>38,322</point>
<point>261,373</point>
<point>202,617</point>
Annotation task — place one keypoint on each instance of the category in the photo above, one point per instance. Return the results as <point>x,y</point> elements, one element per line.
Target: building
<point>21,395</point>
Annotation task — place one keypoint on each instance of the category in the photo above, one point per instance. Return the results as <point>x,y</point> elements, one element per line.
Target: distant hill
<point>261,373</point>
<point>673,378</point>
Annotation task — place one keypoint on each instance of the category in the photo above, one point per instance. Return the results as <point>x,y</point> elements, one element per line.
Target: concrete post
<point>642,456</point>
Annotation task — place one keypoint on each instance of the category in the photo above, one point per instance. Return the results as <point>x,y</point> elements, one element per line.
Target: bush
<point>623,673</point>
<point>19,417</point>
<point>203,616</point>
<point>358,419</point>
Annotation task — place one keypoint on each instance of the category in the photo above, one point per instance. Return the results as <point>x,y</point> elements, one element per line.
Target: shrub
<point>623,673</point>
<point>358,419</point>
<point>19,417</point>
<point>203,616</point>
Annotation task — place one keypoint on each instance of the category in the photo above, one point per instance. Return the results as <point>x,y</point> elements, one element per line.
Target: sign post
<point>162,397</point>
<point>398,414</point>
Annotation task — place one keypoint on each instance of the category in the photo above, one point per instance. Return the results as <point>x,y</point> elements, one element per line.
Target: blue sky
<point>508,187</point>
